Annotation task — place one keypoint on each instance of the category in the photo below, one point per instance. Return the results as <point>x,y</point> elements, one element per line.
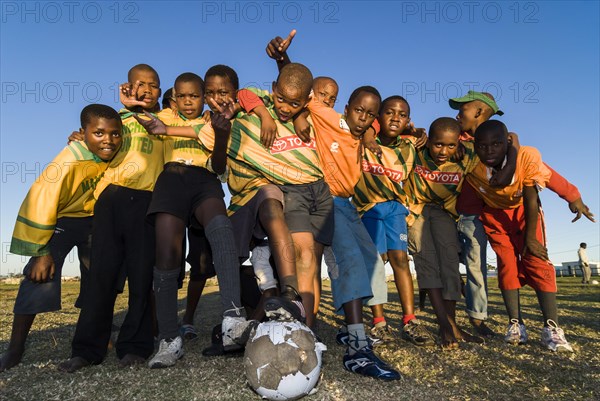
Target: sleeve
<point>249,100</point>
<point>563,188</point>
<point>39,211</point>
<point>206,135</point>
<point>376,127</point>
<point>470,159</point>
<point>535,172</point>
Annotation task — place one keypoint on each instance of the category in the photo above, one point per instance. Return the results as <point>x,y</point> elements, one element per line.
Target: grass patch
<point>492,371</point>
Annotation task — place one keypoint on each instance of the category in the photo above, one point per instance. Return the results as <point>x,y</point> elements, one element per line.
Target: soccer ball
<point>595,282</point>
<point>283,360</point>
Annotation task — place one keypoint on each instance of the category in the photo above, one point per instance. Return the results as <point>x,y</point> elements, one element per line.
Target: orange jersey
<point>339,151</point>
<point>530,171</point>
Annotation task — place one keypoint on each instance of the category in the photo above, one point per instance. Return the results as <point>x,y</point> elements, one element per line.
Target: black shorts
<point>246,224</point>
<point>181,188</point>
<point>309,208</point>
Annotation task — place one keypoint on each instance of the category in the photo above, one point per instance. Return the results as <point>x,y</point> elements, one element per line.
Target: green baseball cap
<point>471,96</point>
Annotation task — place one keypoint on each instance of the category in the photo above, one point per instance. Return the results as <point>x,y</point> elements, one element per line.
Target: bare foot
<point>448,339</point>
<point>73,364</point>
<point>131,360</point>
<point>10,358</point>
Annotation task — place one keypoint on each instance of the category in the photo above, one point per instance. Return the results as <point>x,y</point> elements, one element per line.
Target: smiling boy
<point>55,217</point>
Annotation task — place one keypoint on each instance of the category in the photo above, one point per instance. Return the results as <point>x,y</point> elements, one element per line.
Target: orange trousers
<point>505,229</point>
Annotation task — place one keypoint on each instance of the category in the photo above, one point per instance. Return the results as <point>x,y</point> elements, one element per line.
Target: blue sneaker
<point>366,363</point>
<point>342,338</point>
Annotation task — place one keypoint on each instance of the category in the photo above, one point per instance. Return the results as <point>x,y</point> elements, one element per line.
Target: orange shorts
<point>505,229</point>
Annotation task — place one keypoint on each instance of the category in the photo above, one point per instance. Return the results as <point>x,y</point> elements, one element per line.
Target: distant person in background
<point>584,263</point>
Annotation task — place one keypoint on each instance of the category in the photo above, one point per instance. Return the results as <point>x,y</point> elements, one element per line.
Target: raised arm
<point>277,49</point>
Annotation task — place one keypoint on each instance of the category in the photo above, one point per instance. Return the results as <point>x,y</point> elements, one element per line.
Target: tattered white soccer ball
<point>283,360</point>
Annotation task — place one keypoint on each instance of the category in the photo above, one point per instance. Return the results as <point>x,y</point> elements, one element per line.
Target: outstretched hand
<point>154,126</point>
<point>276,49</point>
<point>128,95</point>
<point>220,123</point>
<point>580,208</point>
<point>226,109</point>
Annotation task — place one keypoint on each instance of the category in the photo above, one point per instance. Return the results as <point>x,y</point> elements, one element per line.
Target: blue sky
<point>540,60</point>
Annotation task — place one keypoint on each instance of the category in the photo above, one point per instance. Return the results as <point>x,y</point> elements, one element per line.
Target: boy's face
<point>218,88</point>
<point>361,113</point>
<point>189,99</point>
<point>103,137</point>
<point>469,116</point>
<point>149,89</point>
<point>326,92</point>
<point>394,118</point>
<point>491,147</point>
<point>288,100</point>
<point>442,146</point>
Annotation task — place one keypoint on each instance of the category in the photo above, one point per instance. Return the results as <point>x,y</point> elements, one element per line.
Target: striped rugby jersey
<point>64,189</point>
<point>430,183</point>
<point>289,161</point>
<point>383,177</point>
<point>139,161</point>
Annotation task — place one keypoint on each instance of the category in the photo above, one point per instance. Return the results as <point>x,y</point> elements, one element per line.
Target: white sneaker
<point>553,337</point>
<point>516,333</point>
<point>168,353</point>
<point>236,331</point>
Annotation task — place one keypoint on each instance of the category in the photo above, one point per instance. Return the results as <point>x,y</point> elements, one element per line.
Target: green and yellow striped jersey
<point>64,189</point>
<point>290,161</point>
<point>183,150</point>
<point>430,183</point>
<point>383,178</point>
<point>139,161</point>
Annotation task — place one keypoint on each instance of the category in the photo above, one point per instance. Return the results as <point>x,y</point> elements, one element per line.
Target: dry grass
<point>493,371</point>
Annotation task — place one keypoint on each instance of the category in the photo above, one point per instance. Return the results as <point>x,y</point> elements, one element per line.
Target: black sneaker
<point>288,306</point>
<point>216,346</point>
<point>366,363</point>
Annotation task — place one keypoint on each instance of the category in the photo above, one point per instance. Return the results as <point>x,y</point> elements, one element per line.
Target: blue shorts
<point>386,224</point>
<point>358,271</point>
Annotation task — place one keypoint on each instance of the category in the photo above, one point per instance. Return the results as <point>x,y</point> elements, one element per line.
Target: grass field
<point>492,371</point>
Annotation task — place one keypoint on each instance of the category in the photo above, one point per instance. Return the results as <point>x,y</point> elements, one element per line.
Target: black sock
<point>219,233</point>
<point>547,302</point>
<point>165,293</point>
<point>511,302</point>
